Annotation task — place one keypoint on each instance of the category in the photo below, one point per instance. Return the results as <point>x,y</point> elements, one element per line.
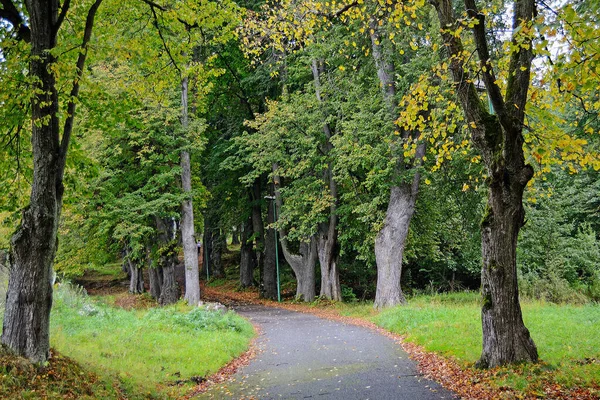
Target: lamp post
<point>272,198</point>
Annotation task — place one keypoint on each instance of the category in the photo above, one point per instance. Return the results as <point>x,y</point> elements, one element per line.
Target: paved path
<point>302,356</point>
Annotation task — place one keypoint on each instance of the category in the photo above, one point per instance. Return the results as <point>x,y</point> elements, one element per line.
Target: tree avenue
<point>362,149</point>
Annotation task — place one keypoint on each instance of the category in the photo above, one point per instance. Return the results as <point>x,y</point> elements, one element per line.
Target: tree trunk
<point>33,245</point>
<point>155,278</point>
<point>499,139</point>
<point>190,250</point>
<point>218,244</point>
<point>269,283</point>
<point>391,240</point>
<point>167,260</point>
<point>136,279</point>
<point>247,256</point>
<point>303,264</point>
<point>328,257</point>
<point>208,245</point>
<point>259,231</point>
<point>327,243</point>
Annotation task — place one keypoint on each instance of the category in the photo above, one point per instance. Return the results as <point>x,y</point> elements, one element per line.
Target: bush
<point>550,287</point>
<point>348,295</point>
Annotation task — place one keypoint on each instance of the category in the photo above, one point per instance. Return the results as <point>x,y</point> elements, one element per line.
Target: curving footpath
<point>301,356</point>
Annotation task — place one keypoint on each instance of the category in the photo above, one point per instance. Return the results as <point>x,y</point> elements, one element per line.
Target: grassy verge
<point>566,336</point>
<point>156,352</point>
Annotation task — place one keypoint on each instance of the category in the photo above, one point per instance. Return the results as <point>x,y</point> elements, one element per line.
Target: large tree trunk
<point>500,141</point>
<point>391,240</point>
<point>328,248</point>
<point>303,263</point>
<point>33,246</point>
<point>269,277</point>
<point>247,256</point>
<point>327,243</point>
<point>190,250</point>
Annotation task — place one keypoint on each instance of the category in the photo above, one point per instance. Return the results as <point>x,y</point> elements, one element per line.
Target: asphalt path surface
<point>301,356</point>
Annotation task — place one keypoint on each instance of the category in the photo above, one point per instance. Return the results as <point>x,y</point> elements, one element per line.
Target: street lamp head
<point>270,197</point>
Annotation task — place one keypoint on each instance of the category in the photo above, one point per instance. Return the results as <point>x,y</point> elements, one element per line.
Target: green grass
<point>143,348</point>
<point>148,353</point>
<point>567,337</point>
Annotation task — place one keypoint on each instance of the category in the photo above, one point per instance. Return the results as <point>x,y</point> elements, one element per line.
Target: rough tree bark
<point>247,255</point>
<point>303,263</point>
<point>190,250</point>
<point>327,243</point>
<point>33,245</point>
<point>391,239</point>
<point>500,141</point>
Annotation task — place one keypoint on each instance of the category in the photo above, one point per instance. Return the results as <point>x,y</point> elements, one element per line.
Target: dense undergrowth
<point>148,353</point>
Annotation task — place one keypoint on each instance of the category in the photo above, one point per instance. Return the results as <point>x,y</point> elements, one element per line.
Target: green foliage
<point>559,252</point>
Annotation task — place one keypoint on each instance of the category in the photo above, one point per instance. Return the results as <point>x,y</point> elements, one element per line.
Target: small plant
<point>348,295</point>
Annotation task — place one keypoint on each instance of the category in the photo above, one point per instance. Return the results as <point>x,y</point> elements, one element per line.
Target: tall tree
<point>33,245</point>
<point>391,239</point>
<point>499,138</point>
<point>327,239</point>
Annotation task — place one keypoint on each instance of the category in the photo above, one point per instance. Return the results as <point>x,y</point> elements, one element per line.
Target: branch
<point>519,71</point>
<point>62,15</point>
<point>9,13</point>
<point>68,127</point>
<point>465,88</point>
<point>162,38</point>
<point>487,69</point>
<point>155,5</point>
